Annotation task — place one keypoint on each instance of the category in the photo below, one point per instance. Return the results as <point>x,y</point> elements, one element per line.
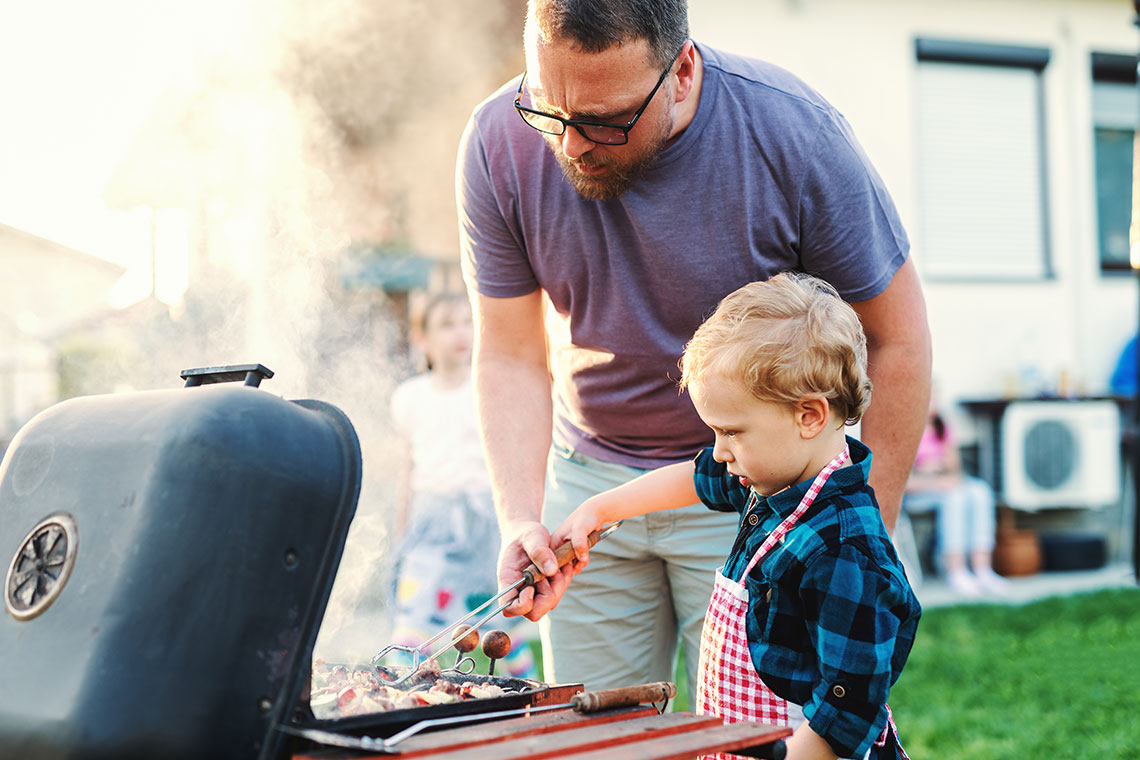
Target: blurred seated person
<point>965,520</point>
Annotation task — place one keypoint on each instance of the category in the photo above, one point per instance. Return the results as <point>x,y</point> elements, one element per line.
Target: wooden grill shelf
<point>633,733</point>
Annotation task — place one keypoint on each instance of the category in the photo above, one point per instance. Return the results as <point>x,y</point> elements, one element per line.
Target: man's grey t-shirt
<point>767,177</point>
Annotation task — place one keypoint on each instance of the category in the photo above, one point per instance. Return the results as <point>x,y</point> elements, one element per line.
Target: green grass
<point>1055,678</point>
<point>683,702</point>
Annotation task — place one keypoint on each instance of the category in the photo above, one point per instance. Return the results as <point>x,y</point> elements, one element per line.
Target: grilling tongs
<point>530,576</point>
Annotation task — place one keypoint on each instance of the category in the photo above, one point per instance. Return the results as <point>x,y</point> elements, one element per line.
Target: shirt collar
<point>854,473</point>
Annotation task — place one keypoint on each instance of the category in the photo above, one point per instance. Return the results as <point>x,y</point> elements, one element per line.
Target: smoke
<point>306,128</point>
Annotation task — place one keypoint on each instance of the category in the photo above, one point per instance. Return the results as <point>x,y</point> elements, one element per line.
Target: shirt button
<point>753,519</point>
<point>839,691</point>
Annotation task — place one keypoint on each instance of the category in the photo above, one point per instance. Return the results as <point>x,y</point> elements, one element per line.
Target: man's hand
<point>527,542</point>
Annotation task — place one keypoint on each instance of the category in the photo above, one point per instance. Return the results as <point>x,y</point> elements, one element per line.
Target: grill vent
<point>40,568</point>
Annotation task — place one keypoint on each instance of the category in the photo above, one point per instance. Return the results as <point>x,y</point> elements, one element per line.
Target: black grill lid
<point>203,527</point>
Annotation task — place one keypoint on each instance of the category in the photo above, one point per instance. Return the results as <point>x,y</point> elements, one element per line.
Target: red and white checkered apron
<point>728,684</point>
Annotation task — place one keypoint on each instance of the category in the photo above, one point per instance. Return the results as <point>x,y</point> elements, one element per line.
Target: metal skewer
<point>530,576</point>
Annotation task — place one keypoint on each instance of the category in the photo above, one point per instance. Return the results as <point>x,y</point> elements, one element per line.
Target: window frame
<point>1109,68</point>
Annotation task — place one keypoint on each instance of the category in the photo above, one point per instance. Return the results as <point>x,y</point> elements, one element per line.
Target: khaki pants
<point>647,583</point>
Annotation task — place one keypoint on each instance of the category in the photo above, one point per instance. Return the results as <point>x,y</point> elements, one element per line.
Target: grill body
<point>206,526</point>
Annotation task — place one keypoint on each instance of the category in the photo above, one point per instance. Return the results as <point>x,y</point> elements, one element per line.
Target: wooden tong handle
<point>563,555</point>
<point>626,696</point>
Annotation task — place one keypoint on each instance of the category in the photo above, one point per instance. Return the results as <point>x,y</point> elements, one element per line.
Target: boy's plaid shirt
<point>831,616</point>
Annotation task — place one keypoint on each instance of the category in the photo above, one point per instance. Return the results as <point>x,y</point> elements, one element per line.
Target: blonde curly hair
<point>786,338</point>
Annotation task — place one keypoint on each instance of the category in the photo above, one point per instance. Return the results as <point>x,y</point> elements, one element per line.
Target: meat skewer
<point>466,643</point>
<point>496,645</point>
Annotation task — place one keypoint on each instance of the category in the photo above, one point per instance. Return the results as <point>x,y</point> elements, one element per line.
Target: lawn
<point>1057,678</point>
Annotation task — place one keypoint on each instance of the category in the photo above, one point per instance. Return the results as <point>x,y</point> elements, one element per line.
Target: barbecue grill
<point>170,555</point>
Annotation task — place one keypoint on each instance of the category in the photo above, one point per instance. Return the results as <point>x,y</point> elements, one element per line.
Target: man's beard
<point>622,172</point>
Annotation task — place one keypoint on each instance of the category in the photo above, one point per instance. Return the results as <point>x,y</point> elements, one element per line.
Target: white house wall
<point>860,54</point>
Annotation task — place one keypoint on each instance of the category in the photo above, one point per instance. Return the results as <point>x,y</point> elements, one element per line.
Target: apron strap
<point>790,521</point>
<point>891,732</point>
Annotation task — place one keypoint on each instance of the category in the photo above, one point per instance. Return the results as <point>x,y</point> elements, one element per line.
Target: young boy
<point>812,617</point>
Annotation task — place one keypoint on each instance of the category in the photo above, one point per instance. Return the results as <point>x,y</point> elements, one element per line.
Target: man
<point>609,198</point>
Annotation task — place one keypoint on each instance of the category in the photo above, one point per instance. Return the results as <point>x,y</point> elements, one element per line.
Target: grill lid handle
<point>251,374</point>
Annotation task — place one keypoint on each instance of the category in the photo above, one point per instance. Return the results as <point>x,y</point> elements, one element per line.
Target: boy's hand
<point>576,529</point>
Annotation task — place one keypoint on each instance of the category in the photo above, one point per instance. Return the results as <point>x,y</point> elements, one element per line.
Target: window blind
<point>981,171</point>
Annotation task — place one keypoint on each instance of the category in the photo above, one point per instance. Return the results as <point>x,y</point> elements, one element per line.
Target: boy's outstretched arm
<point>669,487</point>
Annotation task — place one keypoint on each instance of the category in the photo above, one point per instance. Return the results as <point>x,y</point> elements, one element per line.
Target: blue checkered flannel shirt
<point>831,615</point>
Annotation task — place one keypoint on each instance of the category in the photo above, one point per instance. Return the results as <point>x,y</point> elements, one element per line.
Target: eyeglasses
<point>594,131</point>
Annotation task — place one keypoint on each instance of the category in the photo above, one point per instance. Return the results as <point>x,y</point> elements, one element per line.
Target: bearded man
<point>609,197</point>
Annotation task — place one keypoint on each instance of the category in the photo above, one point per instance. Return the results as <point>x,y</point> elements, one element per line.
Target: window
<point>1115,112</point>
<point>981,161</point>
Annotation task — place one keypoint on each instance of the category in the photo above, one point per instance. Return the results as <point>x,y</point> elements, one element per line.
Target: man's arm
<point>899,358</point>
<point>512,391</point>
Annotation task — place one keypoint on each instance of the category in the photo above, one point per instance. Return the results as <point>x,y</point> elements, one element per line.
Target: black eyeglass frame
<point>579,124</point>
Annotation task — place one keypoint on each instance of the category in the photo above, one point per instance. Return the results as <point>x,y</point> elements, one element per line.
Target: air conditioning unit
<point>1060,454</point>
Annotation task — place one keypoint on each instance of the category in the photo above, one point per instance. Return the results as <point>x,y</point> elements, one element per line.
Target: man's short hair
<point>784,339</point>
<point>597,25</point>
